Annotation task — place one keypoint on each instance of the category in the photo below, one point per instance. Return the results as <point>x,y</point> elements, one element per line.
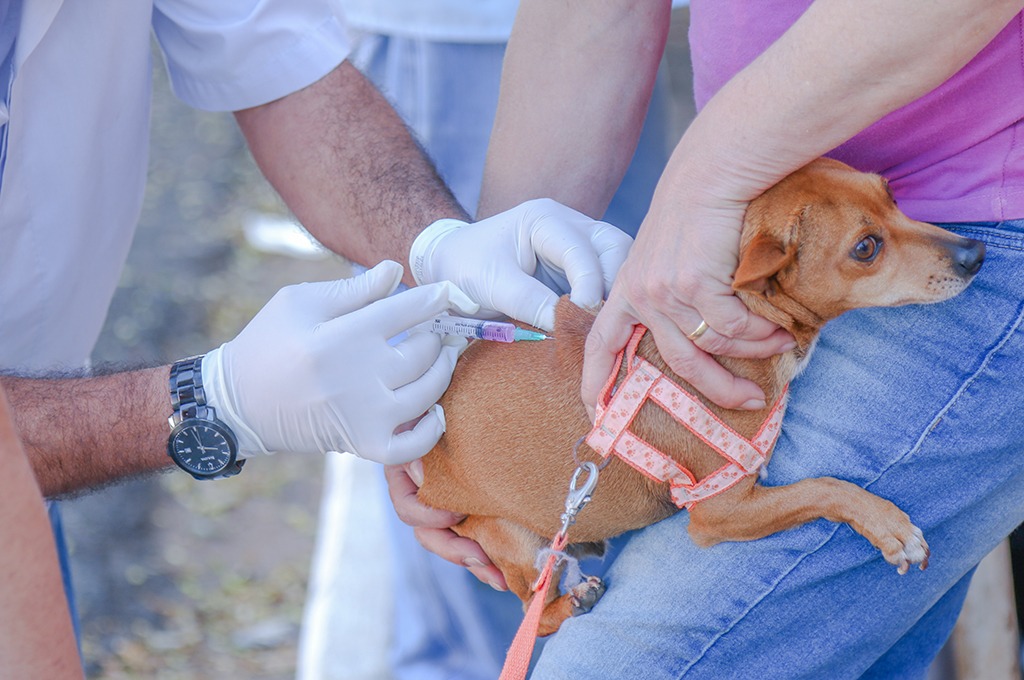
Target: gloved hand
<point>314,371</point>
<point>511,263</point>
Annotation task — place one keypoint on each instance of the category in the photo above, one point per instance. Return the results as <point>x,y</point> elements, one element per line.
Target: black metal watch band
<point>188,398</point>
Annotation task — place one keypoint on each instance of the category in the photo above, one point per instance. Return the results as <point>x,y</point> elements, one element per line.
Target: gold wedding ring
<point>701,330</point>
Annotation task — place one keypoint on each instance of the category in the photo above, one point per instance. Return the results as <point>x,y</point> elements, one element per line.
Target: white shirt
<point>78,139</point>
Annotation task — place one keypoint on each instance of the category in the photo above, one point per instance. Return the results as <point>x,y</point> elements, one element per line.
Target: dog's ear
<point>767,253</point>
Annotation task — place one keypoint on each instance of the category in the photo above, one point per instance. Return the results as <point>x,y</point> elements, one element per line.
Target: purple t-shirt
<point>956,154</point>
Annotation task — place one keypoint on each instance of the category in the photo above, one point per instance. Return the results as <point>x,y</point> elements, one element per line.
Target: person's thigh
<point>921,405</point>
<point>903,659</point>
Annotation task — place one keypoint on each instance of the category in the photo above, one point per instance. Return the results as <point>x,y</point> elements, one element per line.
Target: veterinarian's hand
<point>678,273</point>
<point>517,262</point>
<point>431,526</point>
<point>314,371</point>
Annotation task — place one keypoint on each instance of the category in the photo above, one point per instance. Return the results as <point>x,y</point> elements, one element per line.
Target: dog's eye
<point>867,248</point>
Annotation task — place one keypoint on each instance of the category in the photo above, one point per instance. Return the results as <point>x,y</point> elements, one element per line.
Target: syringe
<point>498,331</point>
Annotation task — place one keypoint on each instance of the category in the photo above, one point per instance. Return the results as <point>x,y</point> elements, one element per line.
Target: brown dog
<point>824,240</point>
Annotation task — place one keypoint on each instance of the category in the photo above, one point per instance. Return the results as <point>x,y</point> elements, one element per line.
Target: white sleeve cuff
<point>423,248</point>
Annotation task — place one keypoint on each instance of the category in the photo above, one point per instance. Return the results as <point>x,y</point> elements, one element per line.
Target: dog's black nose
<point>968,255</point>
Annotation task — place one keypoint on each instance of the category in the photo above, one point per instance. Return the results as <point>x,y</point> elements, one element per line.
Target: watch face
<point>203,447</point>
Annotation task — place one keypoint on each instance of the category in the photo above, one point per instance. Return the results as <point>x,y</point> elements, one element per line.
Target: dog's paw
<point>584,596</point>
<point>904,545</point>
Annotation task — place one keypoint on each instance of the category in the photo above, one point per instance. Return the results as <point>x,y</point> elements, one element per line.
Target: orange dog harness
<point>616,409</point>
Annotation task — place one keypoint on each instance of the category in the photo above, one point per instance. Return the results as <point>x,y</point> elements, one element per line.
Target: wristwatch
<point>199,444</point>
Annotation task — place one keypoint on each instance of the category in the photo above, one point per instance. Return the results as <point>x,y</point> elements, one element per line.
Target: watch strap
<point>188,398</point>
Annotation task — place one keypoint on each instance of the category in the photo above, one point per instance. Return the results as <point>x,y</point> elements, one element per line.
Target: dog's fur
<point>514,412</point>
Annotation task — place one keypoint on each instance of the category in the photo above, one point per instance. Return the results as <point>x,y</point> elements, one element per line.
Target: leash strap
<point>517,661</point>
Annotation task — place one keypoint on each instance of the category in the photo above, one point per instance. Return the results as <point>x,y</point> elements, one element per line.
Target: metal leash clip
<point>578,496</point>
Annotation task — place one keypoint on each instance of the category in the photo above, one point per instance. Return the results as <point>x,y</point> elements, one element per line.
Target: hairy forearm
<point>347,166</point>
<point>82,433</point>
<point>576,83</point>
<point>842,66</point>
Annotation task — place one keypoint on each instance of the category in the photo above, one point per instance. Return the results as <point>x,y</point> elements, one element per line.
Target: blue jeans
<point>921,405</point>
<point>64,560</point>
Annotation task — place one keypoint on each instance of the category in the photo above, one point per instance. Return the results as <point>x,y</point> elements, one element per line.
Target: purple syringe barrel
<point>497,331</point>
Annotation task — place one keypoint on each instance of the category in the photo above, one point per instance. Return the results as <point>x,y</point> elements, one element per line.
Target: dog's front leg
<point>749,511</point>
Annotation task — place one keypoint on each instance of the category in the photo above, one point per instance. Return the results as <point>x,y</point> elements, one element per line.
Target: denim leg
<point>921,405</point>
<point>927,636</point>
<point>64,560</point>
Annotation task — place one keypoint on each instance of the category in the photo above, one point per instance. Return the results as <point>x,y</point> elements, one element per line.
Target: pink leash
<point>517,661</point>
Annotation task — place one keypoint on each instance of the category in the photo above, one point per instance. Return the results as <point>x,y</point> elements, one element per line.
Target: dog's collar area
<point>617,408</point>
<point>800,313</point>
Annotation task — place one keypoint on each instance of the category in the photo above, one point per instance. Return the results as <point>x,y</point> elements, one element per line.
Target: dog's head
<point>828,239</point>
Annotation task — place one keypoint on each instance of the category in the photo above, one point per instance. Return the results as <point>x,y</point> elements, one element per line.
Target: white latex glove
<point>517,262</point>
<point>314,371</point>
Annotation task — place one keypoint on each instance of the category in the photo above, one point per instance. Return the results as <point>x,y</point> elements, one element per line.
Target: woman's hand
<point>433,527</point>
<point>677,281</point>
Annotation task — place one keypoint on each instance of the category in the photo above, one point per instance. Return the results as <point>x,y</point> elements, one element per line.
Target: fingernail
<point>472,563</point>
<point>496,586</point>
<point>753,404</point>
<point>416,472</point>
<point>788,346</point>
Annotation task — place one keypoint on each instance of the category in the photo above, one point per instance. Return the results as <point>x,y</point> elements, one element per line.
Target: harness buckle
<point>578,496</point>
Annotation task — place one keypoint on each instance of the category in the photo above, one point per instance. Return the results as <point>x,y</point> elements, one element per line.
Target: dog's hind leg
<point>749,511</point>
<point>514,550</point>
